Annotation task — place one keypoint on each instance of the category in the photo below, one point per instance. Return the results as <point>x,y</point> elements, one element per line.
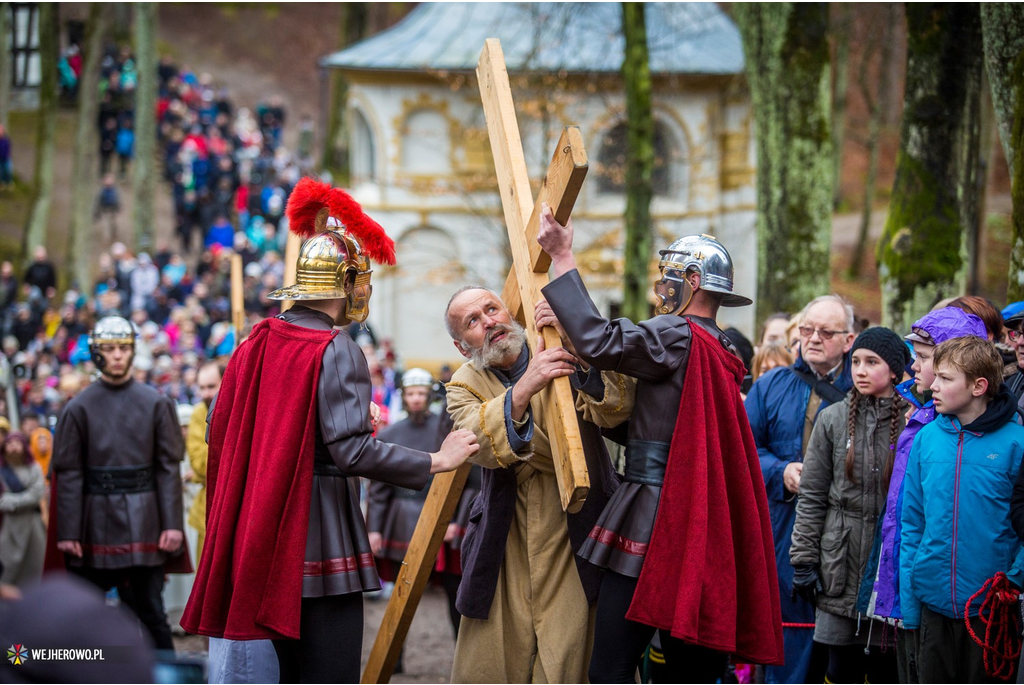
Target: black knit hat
<point>887,345</point>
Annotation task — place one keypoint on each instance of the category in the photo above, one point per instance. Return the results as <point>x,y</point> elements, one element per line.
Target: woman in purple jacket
<point>933,328</point>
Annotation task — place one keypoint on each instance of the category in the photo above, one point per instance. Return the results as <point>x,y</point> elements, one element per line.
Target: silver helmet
<point>417,377</point>
<point>709,258</point>
<point>110,330</point>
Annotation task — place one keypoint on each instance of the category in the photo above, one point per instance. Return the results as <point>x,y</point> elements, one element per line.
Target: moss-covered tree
<point>636,75</point>
<point>145,174</point>
<point>935,193</point>
<point>788,71</point>
<point>87,144</point>
<point>46,128</point>
<point>1003,33</point>
<point>840,27</point>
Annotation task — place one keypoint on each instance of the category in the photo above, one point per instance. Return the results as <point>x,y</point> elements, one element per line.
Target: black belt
<point>118,480</point>
<point>645,462</point>
<point>322,468</point>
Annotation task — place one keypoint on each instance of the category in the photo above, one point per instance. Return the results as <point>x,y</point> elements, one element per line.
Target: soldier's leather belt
<point>645,462</point>
<point>322,468</point>
<point>117,480</point>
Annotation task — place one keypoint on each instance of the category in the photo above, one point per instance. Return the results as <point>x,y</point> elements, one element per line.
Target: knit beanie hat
<point>887,345</point>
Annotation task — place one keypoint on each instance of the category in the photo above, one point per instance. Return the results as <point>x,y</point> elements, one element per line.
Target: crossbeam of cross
<point>559,189</point>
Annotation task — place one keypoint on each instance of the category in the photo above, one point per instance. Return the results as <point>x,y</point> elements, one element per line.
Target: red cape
<point>259,479</point>
<point>709,575</point>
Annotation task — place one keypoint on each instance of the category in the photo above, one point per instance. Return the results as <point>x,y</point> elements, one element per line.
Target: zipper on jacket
<point>956,517</point>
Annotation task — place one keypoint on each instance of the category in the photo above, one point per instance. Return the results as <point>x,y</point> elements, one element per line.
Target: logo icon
<point>17,654</point>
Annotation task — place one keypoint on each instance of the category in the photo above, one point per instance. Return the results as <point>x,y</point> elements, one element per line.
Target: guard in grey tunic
<point>116,459</point>
<point>655,352</point>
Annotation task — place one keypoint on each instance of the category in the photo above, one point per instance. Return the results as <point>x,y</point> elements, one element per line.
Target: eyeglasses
<point>1014,334</point>
<point>824,333</point>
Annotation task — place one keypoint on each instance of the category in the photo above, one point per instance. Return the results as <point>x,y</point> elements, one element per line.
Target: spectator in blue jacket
<point>783,406</point>
<point>957,531</point>
<point>125,145</point>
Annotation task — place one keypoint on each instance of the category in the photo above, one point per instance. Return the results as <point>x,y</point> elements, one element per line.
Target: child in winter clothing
<point>842,491</point>
<point>930,330</point>
<point>956,531</point>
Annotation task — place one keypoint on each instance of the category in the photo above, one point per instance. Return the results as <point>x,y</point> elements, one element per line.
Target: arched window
<point>363,151</point>
<point>670,164</point>
<point>428,272</point>
<point>426,146</point>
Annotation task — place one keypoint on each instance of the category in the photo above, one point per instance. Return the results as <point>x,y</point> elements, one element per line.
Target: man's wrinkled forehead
<point>474,301</point>
<point>828,313</point>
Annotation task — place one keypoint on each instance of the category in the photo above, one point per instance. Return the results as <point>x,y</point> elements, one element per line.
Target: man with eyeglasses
<point>1015,336</point>
<point>782,406</point>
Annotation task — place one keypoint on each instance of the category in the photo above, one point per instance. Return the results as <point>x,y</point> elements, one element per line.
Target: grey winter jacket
<point>836,518</point>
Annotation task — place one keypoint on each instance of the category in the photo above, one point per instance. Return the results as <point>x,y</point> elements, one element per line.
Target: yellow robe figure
<point>540,627</point>
<point>195,445</point>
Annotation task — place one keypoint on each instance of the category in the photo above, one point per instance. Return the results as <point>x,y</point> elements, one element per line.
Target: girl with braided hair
<point>847,468</point>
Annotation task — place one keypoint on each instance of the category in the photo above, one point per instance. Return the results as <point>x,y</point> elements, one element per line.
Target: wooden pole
<point>291,260</point>
<point>415,571</point>
<point>237,298</point>
<point>560,188</point>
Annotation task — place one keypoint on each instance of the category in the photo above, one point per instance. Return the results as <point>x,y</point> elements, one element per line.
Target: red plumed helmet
<point>312,202</point>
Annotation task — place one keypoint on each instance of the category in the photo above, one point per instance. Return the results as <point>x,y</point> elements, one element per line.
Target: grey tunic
<point>338,559</point>
<point>655,352</point>
<point>108,430</point>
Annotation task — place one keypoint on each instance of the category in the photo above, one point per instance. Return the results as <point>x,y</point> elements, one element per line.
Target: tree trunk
<point>788,71</point>
<point>6,67</point>
<point>935,193</point>
<point>636,75</point>
<point>354,25</point>
<point>841,26</point>
<point>1003,30</point>
<point>145,177</point>
<point>42,181</point>
<point>878,105</point>
<point>86,144</point>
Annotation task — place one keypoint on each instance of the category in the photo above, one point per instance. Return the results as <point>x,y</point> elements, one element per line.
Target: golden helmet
<point>334,261</point>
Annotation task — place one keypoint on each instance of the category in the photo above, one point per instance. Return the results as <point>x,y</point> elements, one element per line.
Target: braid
<point>895,424</point>
<point>851,424</point>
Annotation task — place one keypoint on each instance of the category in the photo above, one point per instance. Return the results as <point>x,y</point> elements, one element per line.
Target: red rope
<point>1001,646</point>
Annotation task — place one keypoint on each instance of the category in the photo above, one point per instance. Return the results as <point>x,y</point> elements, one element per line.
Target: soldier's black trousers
<point>139,588</point>
<point>619,643</point>
<point>330,643</point>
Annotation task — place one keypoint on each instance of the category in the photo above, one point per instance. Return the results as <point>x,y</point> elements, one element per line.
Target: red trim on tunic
<point>329,567</point>
<point>610,538</point>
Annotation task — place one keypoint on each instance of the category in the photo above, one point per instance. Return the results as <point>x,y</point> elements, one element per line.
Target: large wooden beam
<point>237,298</point>
<point>521,211</point>
<point>414,573</point>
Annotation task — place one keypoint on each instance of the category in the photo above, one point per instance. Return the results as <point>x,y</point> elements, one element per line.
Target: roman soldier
<point>686,539</point>
<point>287,554</point>
<point>117,488</point>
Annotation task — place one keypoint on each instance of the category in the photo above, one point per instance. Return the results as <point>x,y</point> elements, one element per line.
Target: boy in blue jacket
<point>956,510</point>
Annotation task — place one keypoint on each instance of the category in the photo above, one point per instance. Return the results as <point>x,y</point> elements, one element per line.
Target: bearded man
<point>117,485</point>
<point>526,599</point>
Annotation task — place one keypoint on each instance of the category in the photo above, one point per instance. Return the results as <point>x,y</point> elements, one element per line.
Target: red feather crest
<point>310,196</point>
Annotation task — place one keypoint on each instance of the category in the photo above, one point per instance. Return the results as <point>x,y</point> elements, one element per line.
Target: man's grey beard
<point>503,353</point>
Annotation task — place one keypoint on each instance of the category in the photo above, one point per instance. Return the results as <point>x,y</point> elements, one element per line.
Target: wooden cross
<point>560,188</point>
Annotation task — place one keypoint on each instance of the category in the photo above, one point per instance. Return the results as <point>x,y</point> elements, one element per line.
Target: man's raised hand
<point>556,240</point>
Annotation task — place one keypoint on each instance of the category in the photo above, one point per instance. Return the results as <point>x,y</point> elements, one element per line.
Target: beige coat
<point>540,626</point>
